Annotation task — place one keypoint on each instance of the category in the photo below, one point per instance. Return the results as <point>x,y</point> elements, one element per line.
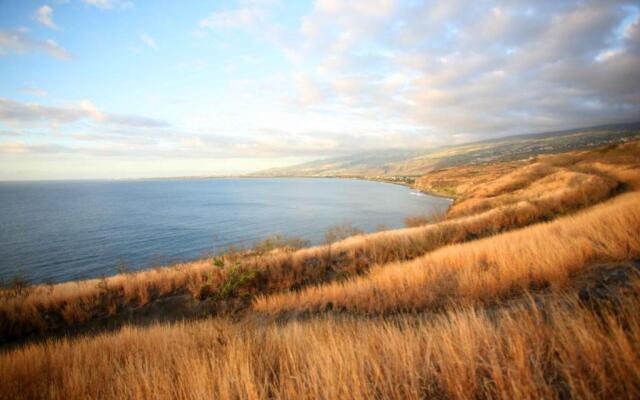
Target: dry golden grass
<point>553,186</point>
<point>463,180</point>
<point>478,326</point>
<point>541,255</point>
<point>72,303</point>
<point>412,221</point>
<point>559,184</point>
<point>480,188</point>
<point>551,349</point>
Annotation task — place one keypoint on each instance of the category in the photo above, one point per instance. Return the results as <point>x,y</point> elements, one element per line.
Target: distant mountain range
<point>417,162</point>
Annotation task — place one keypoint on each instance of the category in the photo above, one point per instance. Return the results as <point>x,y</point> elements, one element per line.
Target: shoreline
<point>435,194</point>
<point>405,184</point>
<point>207,254</point>
<point>362,178</point>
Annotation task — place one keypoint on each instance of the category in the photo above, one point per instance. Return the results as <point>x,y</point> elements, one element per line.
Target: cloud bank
<point>20,42</point>
<point>479,68</point>
<point>280,80</point>
<point>30,114</point>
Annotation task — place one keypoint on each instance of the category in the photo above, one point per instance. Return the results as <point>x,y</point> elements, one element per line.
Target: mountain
<point>417,162</point>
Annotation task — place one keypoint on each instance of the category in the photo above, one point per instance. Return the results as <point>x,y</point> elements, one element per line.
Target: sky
<point>93,89</point>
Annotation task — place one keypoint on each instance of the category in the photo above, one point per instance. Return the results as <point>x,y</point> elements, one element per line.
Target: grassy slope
<point>480,326</point>
<point>531,199</point>
<point>507,182</point>
<point>484,270</point>
<point>546,349</point>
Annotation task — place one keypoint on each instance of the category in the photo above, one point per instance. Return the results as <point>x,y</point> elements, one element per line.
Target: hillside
<point>416,162</point>
<point>528,287</point>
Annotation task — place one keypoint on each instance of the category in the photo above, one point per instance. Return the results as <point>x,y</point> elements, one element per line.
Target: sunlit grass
<point>478,305</point>
<point>553,349</point>
<point>484,270</point>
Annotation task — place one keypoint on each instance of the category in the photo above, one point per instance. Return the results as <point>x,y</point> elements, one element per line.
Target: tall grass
<point>541,255</point>
<point>557,184</point>
<point>51,307</point>
<point>551,349</point>
<point>479,188</point>
<point>412,221</point>
<point>461,318</point>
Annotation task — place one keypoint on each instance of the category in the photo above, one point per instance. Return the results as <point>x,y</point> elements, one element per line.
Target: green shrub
<point>279,242</point>
<point>218,261</point>
<point>236,277</point>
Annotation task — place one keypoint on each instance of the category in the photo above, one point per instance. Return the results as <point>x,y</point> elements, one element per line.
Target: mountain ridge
<point>416,162</point>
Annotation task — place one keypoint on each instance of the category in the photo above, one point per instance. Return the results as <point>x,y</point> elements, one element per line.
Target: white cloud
<point>44,15</point>
<point>21,147</point>
<point>21,42</point>
<point>482,68</point>
<point>108,4</point>
<point>240,18</point>
<point>249,14</point>
<point>362,76</point>
<point>33,91</point>
<point>149,41</point>
<point>308,91</point>
<point>30,114</point>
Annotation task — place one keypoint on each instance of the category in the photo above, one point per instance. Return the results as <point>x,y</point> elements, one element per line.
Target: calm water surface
<point>56,231</point>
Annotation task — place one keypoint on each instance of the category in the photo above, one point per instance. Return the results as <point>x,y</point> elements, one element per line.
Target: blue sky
<point>125,89</point>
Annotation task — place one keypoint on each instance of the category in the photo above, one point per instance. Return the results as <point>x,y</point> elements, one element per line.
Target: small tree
<point>340,232</point>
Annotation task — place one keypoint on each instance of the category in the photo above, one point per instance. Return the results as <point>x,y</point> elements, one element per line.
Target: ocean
<point>59,231</point>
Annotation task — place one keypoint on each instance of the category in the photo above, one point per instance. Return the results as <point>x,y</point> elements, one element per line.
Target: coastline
<point>408,205</point>
<point>429,193</point>
<point>398,182</point>
<point>355,177</point>
<point>362,178</point>
<point>436,194</point>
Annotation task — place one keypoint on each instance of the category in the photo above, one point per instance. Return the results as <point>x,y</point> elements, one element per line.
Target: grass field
<point>514,293</point>
<point>484,270</point>
<point>552,349</point>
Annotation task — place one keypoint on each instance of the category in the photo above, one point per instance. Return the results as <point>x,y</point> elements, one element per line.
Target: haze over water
<point>57,231</point>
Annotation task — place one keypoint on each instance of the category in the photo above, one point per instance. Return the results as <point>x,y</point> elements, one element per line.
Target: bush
<point>218,261</point>
<point>337,233</point>
<point>279,242</point>
<point>236,277</point>
<point>412,221</point>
